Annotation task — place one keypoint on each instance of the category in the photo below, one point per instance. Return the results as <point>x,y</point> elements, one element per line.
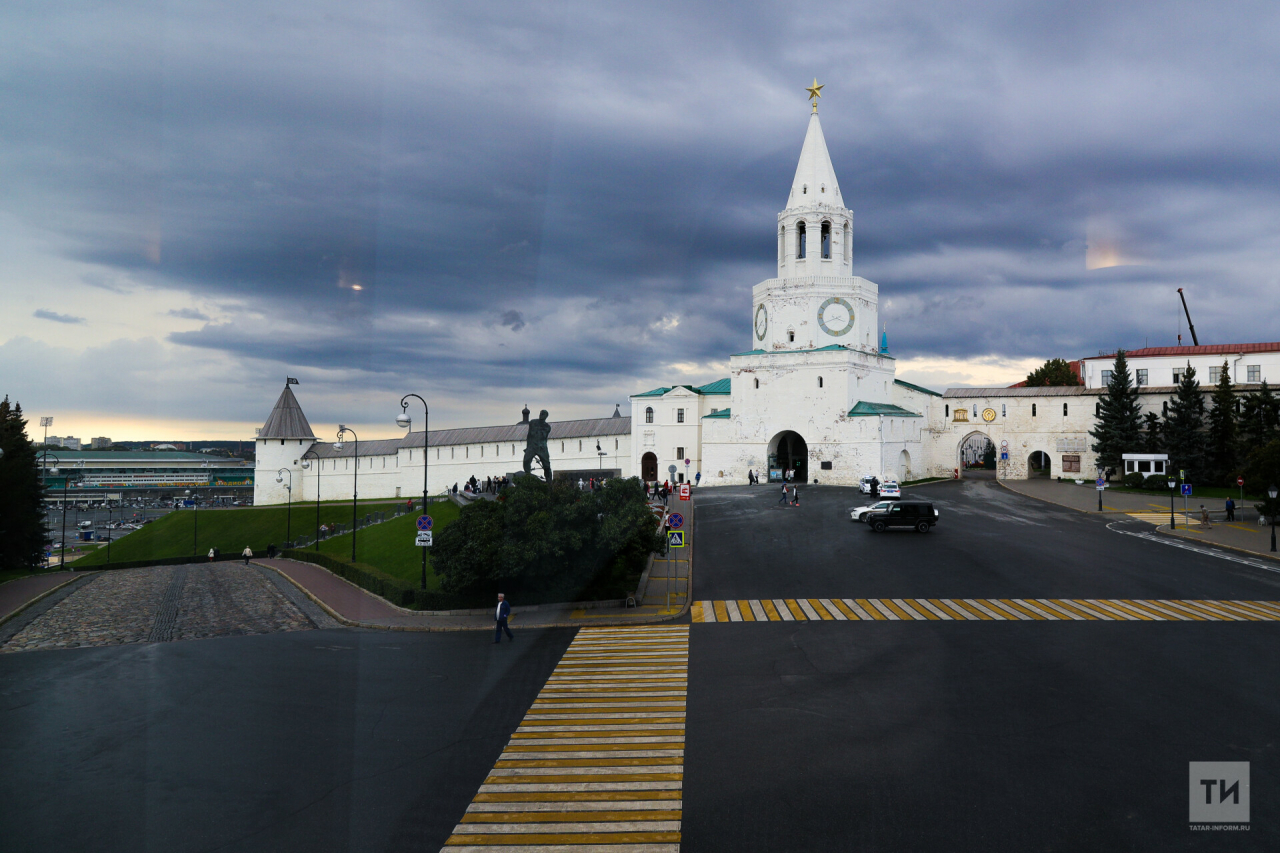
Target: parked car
<point>889,489</point>
<point>864,485</point>
<point>914,514</point>
<point>860,513</point>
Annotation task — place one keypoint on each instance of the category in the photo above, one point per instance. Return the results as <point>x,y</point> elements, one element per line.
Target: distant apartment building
<point>68,442</point>
<point>100,443</point>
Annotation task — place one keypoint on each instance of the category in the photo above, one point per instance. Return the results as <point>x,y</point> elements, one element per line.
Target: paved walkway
<point>1241,536</point>
<point>356,607</point>
<point>18,594</point>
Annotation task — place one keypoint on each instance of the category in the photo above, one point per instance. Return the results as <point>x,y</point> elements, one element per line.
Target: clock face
<point>835,317</point>
<point>762,322</point>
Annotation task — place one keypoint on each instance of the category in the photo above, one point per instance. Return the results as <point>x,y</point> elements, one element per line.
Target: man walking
<point>504,611</point>
<point>1231,510</point>
<point>783,500</point>
<point>247,554</point>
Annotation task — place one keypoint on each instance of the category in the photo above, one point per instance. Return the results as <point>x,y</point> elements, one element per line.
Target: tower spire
<point>815,181</point>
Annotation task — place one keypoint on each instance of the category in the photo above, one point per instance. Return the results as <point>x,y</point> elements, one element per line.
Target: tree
<point>1152,434</point>
<point>1262,472</point>
<point>1119,428</point>
<point>23,538</point>
<point>1055,371</point>
<point>1259,420</point>
<point>1222,429</point>
<point>548,542</point>
<point>1184,428</point>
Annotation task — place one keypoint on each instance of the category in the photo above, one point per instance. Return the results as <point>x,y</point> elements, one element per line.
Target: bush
<point>1156,483</point>
<point>1134,480</point>
<point>544,543</point>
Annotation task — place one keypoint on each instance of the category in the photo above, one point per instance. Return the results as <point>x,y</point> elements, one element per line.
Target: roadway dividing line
<point>1188,546</point>
<point>987,610</point>
<point>597,764</point>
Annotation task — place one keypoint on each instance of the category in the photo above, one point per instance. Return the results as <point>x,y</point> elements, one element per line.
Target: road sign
<point>671,469</point>
<point>1004,444</point>
<point>1101,483</point>
<point>675,538</point>
<point>675,521</point>
<point>1004,456</point>
<point>424,538</point>
<point>687,461</point>
<point>425,522</point>
<point>684,491</point>
<point>1186,490</point>
<point>1239,481</point>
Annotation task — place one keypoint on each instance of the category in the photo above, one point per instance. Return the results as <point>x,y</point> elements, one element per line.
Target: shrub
<point>547,543</point>
<point>1156,483</point>
<point>1134,480</point>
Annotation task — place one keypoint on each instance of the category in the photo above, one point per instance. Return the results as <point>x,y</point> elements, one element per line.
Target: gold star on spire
<point>815,92</point>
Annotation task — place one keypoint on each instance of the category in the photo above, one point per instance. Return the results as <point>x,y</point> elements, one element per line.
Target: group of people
<point>790,496</point>
<point>788,474</point>
<point>490,485</point>
<point>660,491</point>
<point>591,484</point>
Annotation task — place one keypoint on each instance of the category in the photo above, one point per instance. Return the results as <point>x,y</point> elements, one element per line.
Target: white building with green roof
<point>816,393</point>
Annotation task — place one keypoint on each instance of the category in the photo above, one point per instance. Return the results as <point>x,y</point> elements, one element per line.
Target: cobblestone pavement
<point>163,603</point>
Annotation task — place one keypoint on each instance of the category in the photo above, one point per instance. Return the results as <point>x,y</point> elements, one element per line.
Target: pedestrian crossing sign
<point>675,538</point>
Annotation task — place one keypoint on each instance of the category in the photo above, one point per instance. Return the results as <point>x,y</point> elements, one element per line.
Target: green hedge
<point>393,589</point>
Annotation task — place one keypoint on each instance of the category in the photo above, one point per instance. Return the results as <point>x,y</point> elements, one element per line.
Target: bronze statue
<point>536,445</point>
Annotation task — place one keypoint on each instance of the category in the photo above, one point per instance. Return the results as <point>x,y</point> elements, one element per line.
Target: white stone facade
<point>1247,364</point>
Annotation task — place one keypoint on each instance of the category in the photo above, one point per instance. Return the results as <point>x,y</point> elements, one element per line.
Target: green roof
<point>656,392</point>
<point>862,410</point>
<point>720,386</point>
<point>916,388</point>
<point>723,413</point>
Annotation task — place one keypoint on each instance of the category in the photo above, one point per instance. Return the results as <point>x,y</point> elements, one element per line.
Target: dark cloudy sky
<point>491,203</point>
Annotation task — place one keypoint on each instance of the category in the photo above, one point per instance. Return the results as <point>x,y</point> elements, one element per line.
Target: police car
<point>890,489</point>
<point>864,485</point>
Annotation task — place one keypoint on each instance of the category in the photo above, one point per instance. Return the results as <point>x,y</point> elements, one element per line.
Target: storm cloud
<point>578,200</point>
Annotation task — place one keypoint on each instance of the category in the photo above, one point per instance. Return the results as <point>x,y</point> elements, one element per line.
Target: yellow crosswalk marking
<point>920,610</point>
<point>598,761</point>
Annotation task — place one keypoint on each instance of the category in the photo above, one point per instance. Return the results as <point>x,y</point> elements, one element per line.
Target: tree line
<point>1230,435</point>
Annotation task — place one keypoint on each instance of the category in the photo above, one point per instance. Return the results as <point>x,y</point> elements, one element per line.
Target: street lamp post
<point>288,512</point>
<point>600,453</point>
<point>44,455</point>
<point>306,463</point>
<point>355,477</point>
<point>1272,491</point>
<point>1099,487</point>
<point>1173,485</point>
<point>195,525</point>
<point>405,422</point>
<point>108,532</point>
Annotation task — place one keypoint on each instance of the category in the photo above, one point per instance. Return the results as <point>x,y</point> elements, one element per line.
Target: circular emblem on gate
<point>835,312</point>
<point>988,415</point>
<point>762,322</point>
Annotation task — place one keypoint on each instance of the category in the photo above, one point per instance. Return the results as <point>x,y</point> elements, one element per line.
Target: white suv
<point>860,513</point>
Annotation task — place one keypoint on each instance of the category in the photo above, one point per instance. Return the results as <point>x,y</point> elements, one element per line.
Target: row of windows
<point>1253,374</point>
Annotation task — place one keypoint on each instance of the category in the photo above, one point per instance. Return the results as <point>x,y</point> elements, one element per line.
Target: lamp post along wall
<point>405,422</point>
<point>355,479</point>
<point>306,463</point>
<point>1272,492</point>
<point>288,512</point>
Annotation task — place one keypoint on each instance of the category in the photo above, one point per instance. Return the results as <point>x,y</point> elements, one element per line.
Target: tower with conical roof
<point>280,443</point>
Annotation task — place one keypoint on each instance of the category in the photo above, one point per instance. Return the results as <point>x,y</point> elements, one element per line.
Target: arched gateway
<point>788,450</point>
<point>649,467</point>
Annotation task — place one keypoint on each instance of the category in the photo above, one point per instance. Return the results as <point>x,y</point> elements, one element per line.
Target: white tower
<point>280,444</point>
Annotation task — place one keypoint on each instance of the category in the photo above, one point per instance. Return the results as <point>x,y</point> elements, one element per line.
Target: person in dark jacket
<point>504,612</point>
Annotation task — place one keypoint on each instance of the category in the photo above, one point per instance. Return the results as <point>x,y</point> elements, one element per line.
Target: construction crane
<point>1194,340</point>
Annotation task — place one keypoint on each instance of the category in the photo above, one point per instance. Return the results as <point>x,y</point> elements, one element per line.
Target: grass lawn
<point>228,530</point>
<point>1214,492</point>
<point>389,546</point>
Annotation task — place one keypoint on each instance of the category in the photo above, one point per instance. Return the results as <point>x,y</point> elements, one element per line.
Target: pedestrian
<point>795,497</point>
<point>210,555</point>
<point>504,612</point>
<point>1204,519</point>
<point>581,485</point>
<point>783,499</point>
<point>247,553</point>
<point>875,487</point>
<point>697,478</point>
<point>1231,510</point>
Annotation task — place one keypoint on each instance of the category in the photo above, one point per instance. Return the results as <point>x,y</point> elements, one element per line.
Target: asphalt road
<point>966,735</point>
<point>309,741</point>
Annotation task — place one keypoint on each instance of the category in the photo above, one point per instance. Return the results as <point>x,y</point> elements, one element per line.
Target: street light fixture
<point>195,525</point>
<point>44,455</point>
<point>306,463</point>
<point>355,477</point>
<point>1173,485</point>
<point>405,422</point>
<point>288,512</point>
<point>1272,491</point>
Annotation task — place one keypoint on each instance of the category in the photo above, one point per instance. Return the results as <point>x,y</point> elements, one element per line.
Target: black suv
<point>915,514</point>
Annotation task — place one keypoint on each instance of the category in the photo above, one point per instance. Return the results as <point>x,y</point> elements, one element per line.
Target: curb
<point>44,595</point>
<point>1167,532</point>
<point>1092,512</point>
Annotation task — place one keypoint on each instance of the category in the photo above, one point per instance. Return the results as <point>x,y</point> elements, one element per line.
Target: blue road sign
<point>425,522</point>
<point>675,521</point>
<point>1004,457</point>
<point>675,538</point>
<point>1186,489</point>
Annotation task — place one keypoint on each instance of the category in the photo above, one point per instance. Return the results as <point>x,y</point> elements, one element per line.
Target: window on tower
<point>826,241</point>
<point>800,240</point>
<point>648,415</point>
